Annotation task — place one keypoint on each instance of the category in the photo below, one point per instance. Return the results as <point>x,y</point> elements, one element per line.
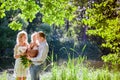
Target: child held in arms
<point>33,47</point>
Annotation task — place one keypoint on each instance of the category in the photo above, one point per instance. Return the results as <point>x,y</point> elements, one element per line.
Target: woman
<point>19,50</point>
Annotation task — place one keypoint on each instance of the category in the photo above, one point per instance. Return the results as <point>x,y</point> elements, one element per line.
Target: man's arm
<point>42,55</point>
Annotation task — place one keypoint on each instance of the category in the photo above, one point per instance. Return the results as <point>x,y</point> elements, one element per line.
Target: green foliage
<point>53,11</point>
<point>45,28</point>
<point>7,36</point>
<point>7,41</point>
<point>18,23</point>
<point>3,76</point>
<point>75,70</point>
<point>56,11</point>
<point>15,25</point>
<point>62,45</point>
<point>104,21</point>
<point>67,71</point>
<point>2,10</point>
<point>103,75</point>
<point>28,9</point>
<point>25,61</point>
<point>89,49</point>
<point>112,58</point>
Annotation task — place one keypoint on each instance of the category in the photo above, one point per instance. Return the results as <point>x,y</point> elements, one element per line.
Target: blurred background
<point>71,38</point>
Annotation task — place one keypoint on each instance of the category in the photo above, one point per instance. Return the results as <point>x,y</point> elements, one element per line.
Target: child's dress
<point>19,69</point>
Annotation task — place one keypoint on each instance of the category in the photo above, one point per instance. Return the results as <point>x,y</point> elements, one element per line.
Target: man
<point>40,58</point>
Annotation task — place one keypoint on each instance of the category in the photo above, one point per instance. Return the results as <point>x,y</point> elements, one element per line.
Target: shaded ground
<point>6,63</point>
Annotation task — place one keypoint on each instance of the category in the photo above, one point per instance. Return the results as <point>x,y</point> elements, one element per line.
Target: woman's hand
<point>22,54</point>
<point>17,56</point>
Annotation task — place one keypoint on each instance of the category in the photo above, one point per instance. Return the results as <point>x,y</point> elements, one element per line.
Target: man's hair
<point>41,34</point>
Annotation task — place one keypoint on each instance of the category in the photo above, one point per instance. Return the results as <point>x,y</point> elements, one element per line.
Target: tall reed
<point>74,69</point>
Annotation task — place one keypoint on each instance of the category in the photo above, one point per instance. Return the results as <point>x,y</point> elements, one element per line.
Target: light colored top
<point>19,69</point>
<point>42,53</point>
<point>19,49</point>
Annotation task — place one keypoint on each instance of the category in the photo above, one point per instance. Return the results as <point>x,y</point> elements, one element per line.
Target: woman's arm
<point>15,52</point>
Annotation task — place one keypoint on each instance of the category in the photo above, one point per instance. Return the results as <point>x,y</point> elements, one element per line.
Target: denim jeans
<point>35,72</point>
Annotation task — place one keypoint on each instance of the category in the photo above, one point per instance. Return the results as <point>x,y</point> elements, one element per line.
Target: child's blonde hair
<point>20,34</point>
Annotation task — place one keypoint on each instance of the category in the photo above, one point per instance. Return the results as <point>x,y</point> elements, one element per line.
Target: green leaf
<point>15,25</point>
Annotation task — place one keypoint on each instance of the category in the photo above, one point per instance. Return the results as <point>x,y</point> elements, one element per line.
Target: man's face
<point>40,39</point>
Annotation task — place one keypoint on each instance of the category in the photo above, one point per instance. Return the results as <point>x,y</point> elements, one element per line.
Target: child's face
<point>34,38</point>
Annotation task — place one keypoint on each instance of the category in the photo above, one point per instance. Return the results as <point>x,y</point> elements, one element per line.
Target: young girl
<point>33,47</point>
<point>19,50</point>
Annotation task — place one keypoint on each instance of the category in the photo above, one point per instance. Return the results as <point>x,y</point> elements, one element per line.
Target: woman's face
<point>22,39</point>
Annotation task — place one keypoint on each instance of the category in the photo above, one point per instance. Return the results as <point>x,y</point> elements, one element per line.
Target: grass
<point>3,76</point>
<point>74,69</point>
